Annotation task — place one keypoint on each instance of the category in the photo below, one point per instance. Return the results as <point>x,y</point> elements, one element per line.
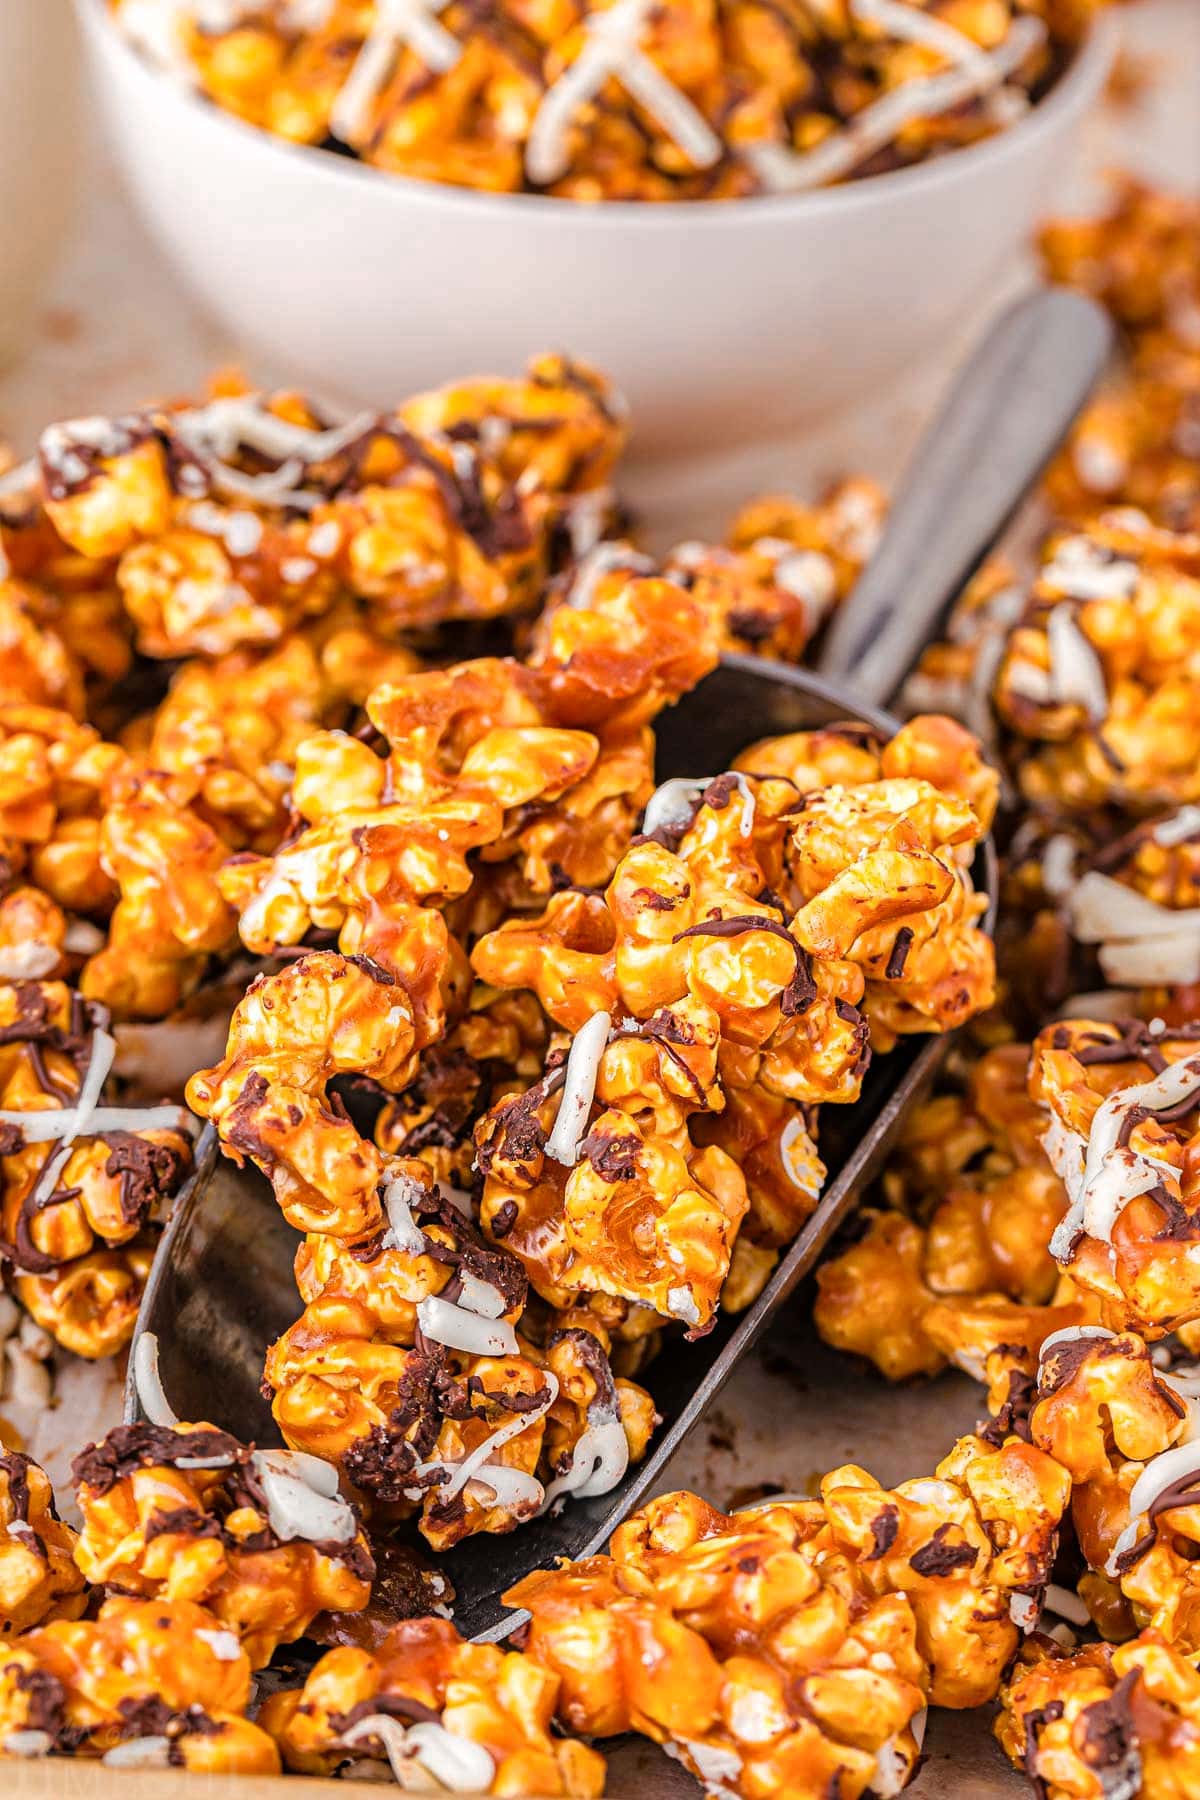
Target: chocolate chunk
<point>150,1716</point>
<point>16,1467</point>
<point>938,1557</point>
<point>1034,1721</point>
<point>147,1171</point>
<point>613,1158</point>
<point>899,955</point>
<point>128,1447</point>
<point>390,1706</point>
<point>505,1218</point>
<point>404,1588</point>
<point>45,1704</point>
<point>884,1528</point>
<point>181,1521</point>
<point>1109,1743</point>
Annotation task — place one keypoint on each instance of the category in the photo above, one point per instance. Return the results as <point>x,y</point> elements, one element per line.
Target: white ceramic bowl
<point>720,322</point>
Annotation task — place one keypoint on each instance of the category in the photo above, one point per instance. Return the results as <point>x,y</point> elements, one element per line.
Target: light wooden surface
<point>117,330</point>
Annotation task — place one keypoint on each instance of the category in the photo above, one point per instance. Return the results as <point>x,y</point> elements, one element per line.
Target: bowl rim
<point>1073,91</point>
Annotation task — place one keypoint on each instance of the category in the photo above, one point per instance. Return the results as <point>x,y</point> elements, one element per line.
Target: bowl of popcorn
<point>749,215</point>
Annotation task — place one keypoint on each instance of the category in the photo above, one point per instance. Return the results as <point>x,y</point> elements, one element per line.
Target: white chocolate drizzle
<point>612,51</point>
<point>1076,672</point>
<point>139,1753</point>
<point>782,170</point>
<point>28,1743</point>
<point>1059,855</point>
<point>455,1763</point>
<point>1113,1174</point>
<point>1141,943</point>
<point>508,1487</point>
<point>579,1089</point>
<point>302,1497</point>
<point>403,1232</point>
<point>1178,827</point>
<point>152,1396</point>
<point>399,24</point>
<point>459,1328</point>
<point>606,558</point>
<point>672,805</point>
<point>599,1459</point>
<point>1083,570</point>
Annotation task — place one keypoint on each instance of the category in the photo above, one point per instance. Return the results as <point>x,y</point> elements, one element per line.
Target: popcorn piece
<point>405,1370</point>
<point>745,1645</point>
<point>38,1577</point>
<point>82,1185</point>
<point>1120,1102</point>
<point>228,524</point>
<point>715,992</point>
<point>1103,1720</point>
<point>145,1683</point>
<point>797,1643</point>
<point>321,1016</point>
<point>434,1709</point>
<point>969,1271</point>
<point>186,1513</point>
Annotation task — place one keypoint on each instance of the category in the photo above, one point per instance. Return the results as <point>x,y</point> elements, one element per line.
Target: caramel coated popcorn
<point>406,1371</point>
<point>696,99</point>
<point>1137,443</point>
<point>793,1648</point>
<point>1120,1104</point>
<point>1104,1720</point>
<point>227,525</point>
<point>186,1513</point>
<point>533,1053</point>
<point>38,1576</point>
<point>83,1186</point>
<point>430,1709</point>
<point>958,1269</point>
<point>763,929</point>
<point>1124,1431</point>
<point>145,1684</point>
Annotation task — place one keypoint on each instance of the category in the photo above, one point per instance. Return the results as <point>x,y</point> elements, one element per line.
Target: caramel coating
<point>747,1646</point>
<point>705,100</point>
<point>157,1526</point>
<point>1139,257</point>
<point>38,1576</point>
<point>446,509</point>
<point>77,1221</point>
<point>456,1694</point>
<point>961,1267</point>
<point>357,1381</point>
<point>140,1669</point>
<point>725,1009</point>
<point>1128,1237</point>
<point>170,917</point>
<point>1078,1724</point>
<point>1107,1416</point>
<point>319,1017</point>
<point>56,780</point>
<point>795,1644</point>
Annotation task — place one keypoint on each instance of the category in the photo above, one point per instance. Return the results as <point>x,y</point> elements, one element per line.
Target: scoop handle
<point>1006,414</point>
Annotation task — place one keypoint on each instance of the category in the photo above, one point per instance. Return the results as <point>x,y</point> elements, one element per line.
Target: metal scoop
<point>222,1288</point>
